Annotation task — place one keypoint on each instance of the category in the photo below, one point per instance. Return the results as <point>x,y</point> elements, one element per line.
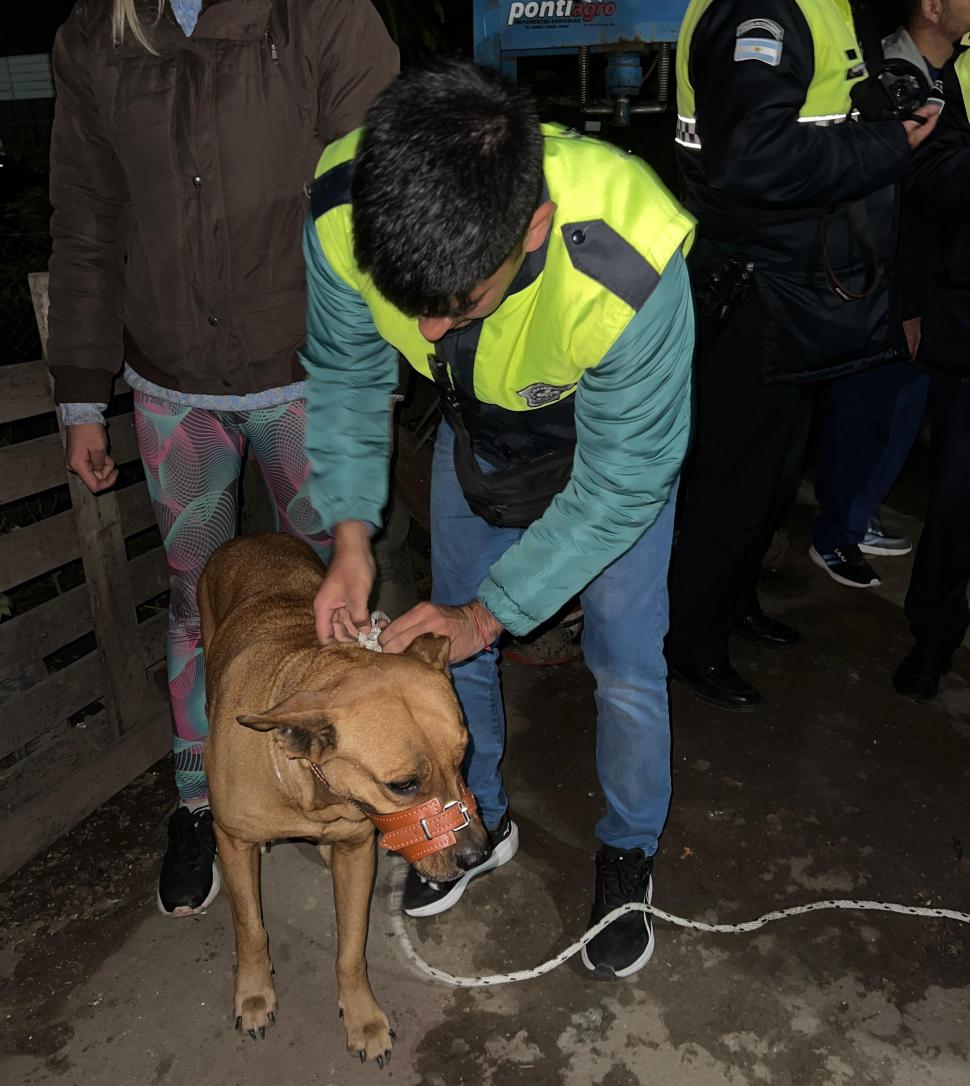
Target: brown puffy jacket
<point>177,182</point>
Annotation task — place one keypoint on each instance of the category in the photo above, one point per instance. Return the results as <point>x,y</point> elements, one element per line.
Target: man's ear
<point>432,649</point>
<point>539,226</point>
<point>301,724</point>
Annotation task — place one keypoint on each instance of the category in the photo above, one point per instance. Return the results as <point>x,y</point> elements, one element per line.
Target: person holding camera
<point>795,205</point>
<point>936,603</point>
<point>872,418</point>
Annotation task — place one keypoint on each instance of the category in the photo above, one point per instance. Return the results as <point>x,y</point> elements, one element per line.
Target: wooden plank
<point>49,702</point>
<point>68,797</point>
<point>136,508</point>
<point>24,391</point>
<point>40,631</point>
<point>151,636</point>
<point>30,467</point>
<point>102,544</point>
<point>28,552</point>
<point>148,575</point>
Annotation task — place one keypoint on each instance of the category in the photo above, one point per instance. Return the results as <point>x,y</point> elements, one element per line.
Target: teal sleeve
<point>351,374</point>
<point>632,425</point>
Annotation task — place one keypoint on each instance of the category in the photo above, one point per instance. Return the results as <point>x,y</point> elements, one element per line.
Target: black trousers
<point>936,603</point>
<point>741,477</point>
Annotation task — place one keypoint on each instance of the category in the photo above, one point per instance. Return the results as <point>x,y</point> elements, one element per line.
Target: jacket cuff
<point>505,609</point>
<point>74,385</point>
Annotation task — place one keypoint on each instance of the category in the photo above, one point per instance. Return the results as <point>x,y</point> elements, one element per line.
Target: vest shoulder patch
<point>598,251</point>
<point>540,393</point>
<point>764,49</point>
<point>331,189</point>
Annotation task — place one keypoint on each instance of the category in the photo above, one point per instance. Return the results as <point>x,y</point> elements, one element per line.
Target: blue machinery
<point>628,32</point>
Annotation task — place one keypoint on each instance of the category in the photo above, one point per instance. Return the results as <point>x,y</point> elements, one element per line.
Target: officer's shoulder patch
<point>759,39</point>
<point>597,250</point>
<point>539,394</point>
<point>331,189</point>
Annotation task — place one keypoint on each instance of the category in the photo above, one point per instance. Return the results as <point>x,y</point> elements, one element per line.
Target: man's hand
<point>916,132</point>
<point>468,634</point>
<point>87,456</point>
<point>340,606</point>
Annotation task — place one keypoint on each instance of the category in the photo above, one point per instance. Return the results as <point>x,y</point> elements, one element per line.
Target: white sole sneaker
<point>186,910</point>
<point>822,564</point>
<point>501,854</point>
<point>641,961</point>
<point>880,550</point>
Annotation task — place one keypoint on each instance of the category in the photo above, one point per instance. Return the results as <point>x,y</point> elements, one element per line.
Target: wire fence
<point>19,254</point>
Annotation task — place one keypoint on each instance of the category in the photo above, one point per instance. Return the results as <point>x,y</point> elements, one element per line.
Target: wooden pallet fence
<point>82,645</point>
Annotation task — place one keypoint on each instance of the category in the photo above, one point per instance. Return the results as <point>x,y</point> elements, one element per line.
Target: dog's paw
<point>369,1035</point>
<point>254,1013</point>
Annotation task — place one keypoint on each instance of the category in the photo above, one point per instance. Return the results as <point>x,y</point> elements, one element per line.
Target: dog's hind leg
<point>255,997</point>
<point>353,867</point>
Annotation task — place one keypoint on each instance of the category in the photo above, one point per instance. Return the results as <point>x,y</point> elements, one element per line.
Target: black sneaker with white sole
<point>847,566</point>
<point>189,879</point>
<point>425,898</point>
<point>625,946</point>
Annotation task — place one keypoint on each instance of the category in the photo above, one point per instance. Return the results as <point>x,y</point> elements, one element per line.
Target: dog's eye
<point>403,787</point>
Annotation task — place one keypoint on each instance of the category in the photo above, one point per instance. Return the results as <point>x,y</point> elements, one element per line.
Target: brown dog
<point>313,742</point>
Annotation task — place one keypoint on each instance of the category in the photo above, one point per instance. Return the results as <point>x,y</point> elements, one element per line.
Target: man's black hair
<point>446,179</point>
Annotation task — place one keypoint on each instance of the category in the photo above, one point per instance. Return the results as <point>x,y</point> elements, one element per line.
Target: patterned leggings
<point>192,459</point>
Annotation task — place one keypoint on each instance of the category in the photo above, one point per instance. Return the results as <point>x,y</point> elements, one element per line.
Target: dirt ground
<point>836,789</point>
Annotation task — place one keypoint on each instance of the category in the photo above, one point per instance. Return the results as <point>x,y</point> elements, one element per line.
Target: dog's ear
<point>301,724</point>
<point>431,648</point>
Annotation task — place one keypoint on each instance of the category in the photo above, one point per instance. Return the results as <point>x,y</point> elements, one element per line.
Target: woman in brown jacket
<point>184,134</point>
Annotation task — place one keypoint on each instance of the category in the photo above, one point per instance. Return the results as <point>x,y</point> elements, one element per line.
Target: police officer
<point>538,277</point>
<point>936,603</point>
<point>795,207</point>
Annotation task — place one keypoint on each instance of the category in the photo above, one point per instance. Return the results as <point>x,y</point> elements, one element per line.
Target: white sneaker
<point>877,542</point>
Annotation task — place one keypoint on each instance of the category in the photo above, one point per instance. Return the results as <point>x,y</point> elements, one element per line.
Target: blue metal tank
<point>631,34</point>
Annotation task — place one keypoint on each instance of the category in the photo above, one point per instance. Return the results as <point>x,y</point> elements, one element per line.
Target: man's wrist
<point>351,535</point>
<point>488,625</point>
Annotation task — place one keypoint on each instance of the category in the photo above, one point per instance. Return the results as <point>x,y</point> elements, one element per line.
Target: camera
<point>891,93</point>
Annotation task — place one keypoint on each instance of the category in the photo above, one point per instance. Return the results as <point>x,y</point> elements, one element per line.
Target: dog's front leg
<point>368,1032</point>
<point>255,998</point>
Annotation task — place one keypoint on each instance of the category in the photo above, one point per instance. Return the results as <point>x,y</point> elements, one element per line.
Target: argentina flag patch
<point>763,49</point>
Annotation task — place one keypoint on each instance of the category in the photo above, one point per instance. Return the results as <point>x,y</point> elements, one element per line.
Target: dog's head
<point>387,733</point>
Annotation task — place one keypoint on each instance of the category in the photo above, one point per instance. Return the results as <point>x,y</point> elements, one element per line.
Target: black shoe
<point>718,685</point>
<point>766,632</point>
<point>847,566</point>
<point>918,676</point>
<point>425,898</point>
<point>189,880</point>
<point>627,944</point>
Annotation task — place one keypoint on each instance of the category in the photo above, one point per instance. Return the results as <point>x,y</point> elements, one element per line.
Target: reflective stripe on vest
<point>614,231</point>
<point>962,68</point>
<point>838,65</point>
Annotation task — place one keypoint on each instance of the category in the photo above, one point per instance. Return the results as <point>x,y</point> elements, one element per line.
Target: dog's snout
<point>472,855</point>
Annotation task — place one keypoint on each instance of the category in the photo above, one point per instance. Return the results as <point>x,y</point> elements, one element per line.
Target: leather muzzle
<point>427,828</point>
<point>422,830</point>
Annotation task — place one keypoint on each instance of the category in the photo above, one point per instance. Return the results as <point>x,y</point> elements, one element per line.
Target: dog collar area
<point>421,830</point>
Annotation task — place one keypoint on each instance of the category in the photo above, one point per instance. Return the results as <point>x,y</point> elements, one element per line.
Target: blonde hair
<point>122,14</point>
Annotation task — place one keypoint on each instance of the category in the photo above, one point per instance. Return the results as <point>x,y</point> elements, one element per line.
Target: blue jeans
<point>871,420</point>
<point>625,611</point>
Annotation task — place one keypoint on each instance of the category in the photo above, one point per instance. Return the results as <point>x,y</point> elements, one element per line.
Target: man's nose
<point>433,328</point>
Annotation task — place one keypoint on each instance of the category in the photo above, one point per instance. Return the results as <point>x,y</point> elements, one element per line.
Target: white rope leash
<point>397,922</point>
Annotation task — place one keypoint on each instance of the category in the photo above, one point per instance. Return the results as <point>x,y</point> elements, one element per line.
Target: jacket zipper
<point>271,42</point>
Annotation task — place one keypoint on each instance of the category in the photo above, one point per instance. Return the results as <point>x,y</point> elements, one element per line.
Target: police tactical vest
<point>838,64</point>
<point>962,68</point>
<point>510,378</point>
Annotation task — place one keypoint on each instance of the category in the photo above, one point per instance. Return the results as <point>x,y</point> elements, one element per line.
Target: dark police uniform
<point>792,271</point>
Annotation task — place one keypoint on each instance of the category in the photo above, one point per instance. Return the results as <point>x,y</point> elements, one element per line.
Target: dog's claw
<point>272,1018</point>
<point>340,1012</point>
<point>262,1033</point>
<point>362,1055</point>
<point>387,1055</point>
<point>380,1062</point>
<point>238,1022</point>
<point>252,1033</point>
<point>393,1034</point>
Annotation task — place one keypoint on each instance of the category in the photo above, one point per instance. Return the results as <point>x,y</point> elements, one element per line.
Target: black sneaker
<point>189,879</point>
<point>425,898</point>
<point>625,946</point>
<point>847,566</point>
